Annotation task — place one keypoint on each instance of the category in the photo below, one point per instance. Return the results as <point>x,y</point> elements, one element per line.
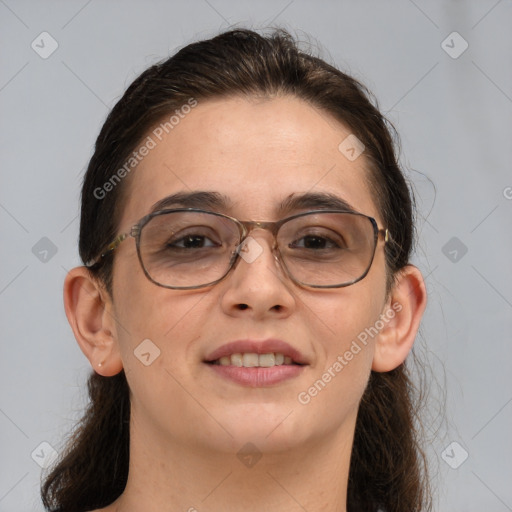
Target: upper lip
<point>257,347</point>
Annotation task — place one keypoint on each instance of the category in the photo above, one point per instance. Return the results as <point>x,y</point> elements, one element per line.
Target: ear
<point>401,317</point>
<point>89,310</point>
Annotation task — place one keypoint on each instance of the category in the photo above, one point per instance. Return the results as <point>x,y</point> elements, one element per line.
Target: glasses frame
<point>244,228</point>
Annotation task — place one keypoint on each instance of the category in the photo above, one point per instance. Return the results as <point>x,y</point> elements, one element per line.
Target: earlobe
<point>404,310</point>
<point>89,312</point>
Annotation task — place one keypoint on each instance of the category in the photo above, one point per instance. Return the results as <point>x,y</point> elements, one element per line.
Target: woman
<point>248,344</point>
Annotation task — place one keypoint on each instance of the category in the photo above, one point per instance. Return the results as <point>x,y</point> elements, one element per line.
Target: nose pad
<point>250,250</point>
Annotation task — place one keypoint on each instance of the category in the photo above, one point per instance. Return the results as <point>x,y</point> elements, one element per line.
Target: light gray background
<point>454,117</point>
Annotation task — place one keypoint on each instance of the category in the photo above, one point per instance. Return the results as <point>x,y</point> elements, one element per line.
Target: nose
<point>258,285</point>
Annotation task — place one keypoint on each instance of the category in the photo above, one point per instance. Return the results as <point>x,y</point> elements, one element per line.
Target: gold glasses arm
<point>109,248</point>
<point>385,234</point>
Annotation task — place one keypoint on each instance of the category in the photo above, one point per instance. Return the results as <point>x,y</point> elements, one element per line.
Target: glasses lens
<point>193,249</point>
<point>327,249</point>
<point>187,249</point>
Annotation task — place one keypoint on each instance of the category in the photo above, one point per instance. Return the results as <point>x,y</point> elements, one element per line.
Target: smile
<point>254,363</point>
<point>253,360</point>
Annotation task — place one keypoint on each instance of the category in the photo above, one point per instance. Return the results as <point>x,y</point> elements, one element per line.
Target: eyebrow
<point>222,203</point>
<point>199,199</point>
<point>314,201</point>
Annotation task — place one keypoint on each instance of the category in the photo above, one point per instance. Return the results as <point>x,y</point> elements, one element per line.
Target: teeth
<point>252,360</point>
<point>236,360</point>
<point>225,360</point>
<point>267,360</point>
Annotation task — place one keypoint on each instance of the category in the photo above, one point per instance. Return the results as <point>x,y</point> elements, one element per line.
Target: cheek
<point>343,329</point>
<point>165,381</point>
<point>151,319</point>
<point>154,328</point>
<point>345,316</point>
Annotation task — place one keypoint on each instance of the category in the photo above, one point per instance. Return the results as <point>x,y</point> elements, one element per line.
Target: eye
<point>193,237</point>
<point>315,242</point>
<point>192,241</point>
<point>318,238</point>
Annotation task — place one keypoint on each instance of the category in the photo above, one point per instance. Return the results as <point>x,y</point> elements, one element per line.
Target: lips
<point>244,350</point>
<point>257,364</point>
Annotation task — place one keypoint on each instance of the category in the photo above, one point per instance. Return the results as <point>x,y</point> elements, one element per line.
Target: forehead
<point>256,153</point>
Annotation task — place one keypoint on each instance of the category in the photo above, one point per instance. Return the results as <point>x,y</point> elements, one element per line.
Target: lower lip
<point>258,377</point>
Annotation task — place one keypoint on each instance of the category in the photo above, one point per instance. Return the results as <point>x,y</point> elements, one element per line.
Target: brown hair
<point>388,467</point>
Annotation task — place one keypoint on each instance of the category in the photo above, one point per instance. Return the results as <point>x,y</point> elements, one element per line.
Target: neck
<point>166,475</point>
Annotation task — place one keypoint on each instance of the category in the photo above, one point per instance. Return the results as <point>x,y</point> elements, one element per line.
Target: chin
<point>270,427</point>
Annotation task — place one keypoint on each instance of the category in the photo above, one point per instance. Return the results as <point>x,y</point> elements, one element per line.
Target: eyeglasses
<point>189,248</point>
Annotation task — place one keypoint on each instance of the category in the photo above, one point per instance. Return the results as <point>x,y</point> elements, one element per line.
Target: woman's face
<point>257,153</point>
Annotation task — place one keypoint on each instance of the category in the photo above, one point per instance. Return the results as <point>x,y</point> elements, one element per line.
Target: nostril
<point>243,306</point>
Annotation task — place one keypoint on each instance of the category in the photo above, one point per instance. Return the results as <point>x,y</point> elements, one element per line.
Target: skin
<point>187,423</point>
